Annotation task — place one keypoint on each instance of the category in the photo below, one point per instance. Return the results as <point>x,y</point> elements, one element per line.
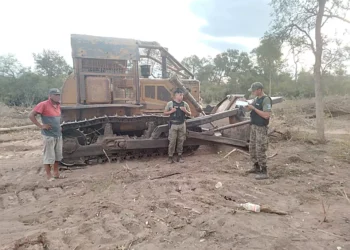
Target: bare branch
<point>308,36</point>
<point>324,22</point>
<point>327,65</point>
<point>337,17</point>
<point>311,10</point>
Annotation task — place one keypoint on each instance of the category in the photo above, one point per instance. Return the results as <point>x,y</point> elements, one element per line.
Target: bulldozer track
<point>96,125</point>
<point>159,119</point>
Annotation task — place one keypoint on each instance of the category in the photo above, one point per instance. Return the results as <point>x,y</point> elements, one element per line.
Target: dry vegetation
<point>13,116</point>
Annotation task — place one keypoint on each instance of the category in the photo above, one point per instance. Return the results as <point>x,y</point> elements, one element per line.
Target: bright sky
<point>186,27</point>
<point>39,24</point>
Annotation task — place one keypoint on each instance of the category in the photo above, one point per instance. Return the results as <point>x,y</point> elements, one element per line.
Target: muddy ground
<point>121,206</point>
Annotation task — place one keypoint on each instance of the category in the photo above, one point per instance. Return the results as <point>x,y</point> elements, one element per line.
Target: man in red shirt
<point>50,112</point>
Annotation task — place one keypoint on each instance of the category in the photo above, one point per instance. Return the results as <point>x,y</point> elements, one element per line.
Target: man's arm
<point>32,117</point>
<point>266,112</point>
<point>263,114</point>
<point>249,107</point>
<point>169,110</point>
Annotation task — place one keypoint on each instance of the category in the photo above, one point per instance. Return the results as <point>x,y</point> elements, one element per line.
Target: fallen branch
<point>192,209</point>
<point>339,236</point>
<point>233,150</point>
<point>271,156</point>
<point>343,193</point>
<point>243,152</point>
<point>164,176</point>
<point>325,211</point>
<point>18,128</point>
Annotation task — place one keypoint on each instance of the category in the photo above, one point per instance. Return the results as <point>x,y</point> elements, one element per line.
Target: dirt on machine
<point>112,106</point>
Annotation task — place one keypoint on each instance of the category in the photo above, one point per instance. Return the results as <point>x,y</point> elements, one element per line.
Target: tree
<point>269,57</point>
<point>304,19</point>
<point>193,63</point>
<point>50,63</point>
<point>10,66</point>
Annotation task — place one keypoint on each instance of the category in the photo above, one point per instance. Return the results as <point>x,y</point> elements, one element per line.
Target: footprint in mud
<point>30,220</point>
<point>44,194</point>
<point>8,201</point>
<point>37,218</point>
<point>40,194</point>
<point>26,197</point>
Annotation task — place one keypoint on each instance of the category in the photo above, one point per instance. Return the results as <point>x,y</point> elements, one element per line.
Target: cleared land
<point>121,206</point>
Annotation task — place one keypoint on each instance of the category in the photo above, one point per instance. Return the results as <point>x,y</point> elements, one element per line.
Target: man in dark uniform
<point>260,117</point>
<point>177,109</point>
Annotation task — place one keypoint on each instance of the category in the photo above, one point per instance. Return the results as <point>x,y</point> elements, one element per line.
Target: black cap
<point>178,91</point>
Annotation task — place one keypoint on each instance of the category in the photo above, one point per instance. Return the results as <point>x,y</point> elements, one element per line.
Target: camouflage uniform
<point>259,136</point>
<point>258,144</point>
<point>177,131</point>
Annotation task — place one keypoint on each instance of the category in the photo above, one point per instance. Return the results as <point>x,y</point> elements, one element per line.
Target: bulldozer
<point>112,104</point>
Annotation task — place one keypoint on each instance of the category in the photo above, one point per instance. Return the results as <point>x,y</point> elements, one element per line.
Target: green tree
<point>304,19</point>
<point>10,66</point>
<point>268,56</point>
<point>21,87</point>
<point>193,63</point>
<point>50,63</point>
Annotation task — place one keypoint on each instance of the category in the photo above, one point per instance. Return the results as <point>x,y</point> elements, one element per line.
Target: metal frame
<point>94,47</point>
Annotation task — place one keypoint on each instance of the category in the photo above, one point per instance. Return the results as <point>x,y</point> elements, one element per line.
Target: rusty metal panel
<point>104,47</point>
<point>69,91</point>
<point>98,90</point>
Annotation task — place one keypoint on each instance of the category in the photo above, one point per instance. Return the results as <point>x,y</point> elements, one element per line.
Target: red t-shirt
<point>50,115</point>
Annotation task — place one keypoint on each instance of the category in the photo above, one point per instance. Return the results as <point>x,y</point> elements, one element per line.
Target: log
<point>164,176</point>
<point>3,130</point>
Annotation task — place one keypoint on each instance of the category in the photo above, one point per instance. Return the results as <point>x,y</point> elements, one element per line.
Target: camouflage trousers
<point>177,135</point>
<point>259,143</point>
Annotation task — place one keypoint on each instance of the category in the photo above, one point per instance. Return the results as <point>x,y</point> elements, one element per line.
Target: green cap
<point>255,86</point>
<point>54,91</point>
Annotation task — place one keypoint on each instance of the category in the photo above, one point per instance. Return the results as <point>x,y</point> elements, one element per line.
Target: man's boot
<point>170,160</point>
<point>255,169</point>
<point>180,159</point>
<point>263,174</point>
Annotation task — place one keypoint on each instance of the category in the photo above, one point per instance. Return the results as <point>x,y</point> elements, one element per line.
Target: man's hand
<point>173,110</point>
<point>250,107</point>
<point>185,110</point>
<point>46,126</point>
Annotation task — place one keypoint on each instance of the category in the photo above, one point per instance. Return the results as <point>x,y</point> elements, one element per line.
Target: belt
<point>176,122</point>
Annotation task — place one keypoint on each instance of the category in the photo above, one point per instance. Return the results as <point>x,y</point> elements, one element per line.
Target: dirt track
<point>118,206</point>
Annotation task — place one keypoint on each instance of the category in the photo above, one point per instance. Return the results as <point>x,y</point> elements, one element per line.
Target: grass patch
<point>14,116</point>
<point>341,150</point>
